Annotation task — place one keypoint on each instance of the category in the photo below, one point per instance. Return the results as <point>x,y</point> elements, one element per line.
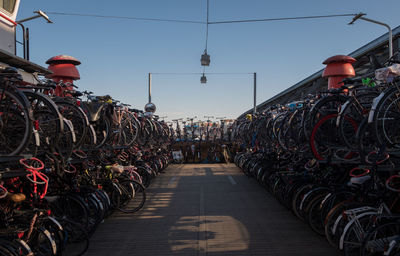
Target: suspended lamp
<point>205,59</point>
<point>203,79</point>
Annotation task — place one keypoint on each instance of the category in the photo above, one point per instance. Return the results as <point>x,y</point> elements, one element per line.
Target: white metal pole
<point>255,93</point>
<point>361,16</point>
<point>390,33</point>
<point>149,87</point>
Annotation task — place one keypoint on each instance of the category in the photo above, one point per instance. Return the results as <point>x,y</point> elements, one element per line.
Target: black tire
<point>8,248</point>
<point>331,219</point>
<point>42,243</point>
<point>56,231</point>
<point>76,238</point>
<point>15,123</point>
<point>354,237</point>
<point>145,174</point>
<point>353,111</point>
<point>133,196</point>
<point>71,207</point>
<point>323,107</point>
<point>314,215</point>
<point>66,144</point>
<point>298,196</point>
<point>384,234</point>
<point>47,120</point>
<point>78,118</point>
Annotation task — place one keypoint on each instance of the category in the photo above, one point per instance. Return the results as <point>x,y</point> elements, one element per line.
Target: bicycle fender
<point>375,102</point>
<point>348,225</point>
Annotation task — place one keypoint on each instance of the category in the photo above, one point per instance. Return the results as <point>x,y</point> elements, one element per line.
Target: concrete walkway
<point>207,210</point>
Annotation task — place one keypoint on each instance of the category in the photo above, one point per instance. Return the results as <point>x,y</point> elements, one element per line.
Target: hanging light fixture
<point>203,79</point>
<point>205,59</point>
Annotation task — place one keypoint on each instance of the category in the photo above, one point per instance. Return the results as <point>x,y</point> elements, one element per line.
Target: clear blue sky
<point>117,55</point>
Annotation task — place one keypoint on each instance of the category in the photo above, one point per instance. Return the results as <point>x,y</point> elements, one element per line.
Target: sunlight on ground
<point>158,201</point>
<point>222,234</point>
<point>150,217</point>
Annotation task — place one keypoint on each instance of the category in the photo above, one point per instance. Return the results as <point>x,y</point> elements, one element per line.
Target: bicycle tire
<point>47,119</point>
<point>383,234</point>
<point>352,112</point>
<point>77,239</point>
<point>16,125</point>
<point>314,215</point>
<point>385,119</point>
<point>324,137</point>
<point>77,116</point>
<point>325,106</point>
<point>134,195</point>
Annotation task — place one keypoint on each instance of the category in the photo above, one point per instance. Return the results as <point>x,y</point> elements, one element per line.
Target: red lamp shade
<point>63,67</point>
<point>337,68</point>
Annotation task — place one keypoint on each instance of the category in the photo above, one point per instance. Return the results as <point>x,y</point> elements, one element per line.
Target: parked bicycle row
<point>333,160</point>
<point>208,130</point>
<point>68,163</point>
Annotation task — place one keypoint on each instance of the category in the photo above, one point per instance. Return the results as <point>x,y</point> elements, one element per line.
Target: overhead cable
<point>199,22</point>
<point>278,19</point>
<point>124,17</point>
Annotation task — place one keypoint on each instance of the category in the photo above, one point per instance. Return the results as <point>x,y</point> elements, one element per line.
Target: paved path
<point>207,210</point>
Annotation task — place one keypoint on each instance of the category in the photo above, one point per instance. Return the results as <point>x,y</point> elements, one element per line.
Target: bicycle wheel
<point>298,197</point>
<point>7,248</point>
<point>294,132</point>
<point>90,140</point>
<point>95,212</point>
<point>352,113</point>
<point>325,106</point>
<point>76,240</point>
<point>47,120</point>
<point>102,129</point>
<point>42,243</point>
<point>333,221</point>
<point>386,119</point>
<point>66,143</point>
<point>103,197</point>
<point>379,239</point>
<point>145,174</point>
<point>22,247</point>
<point>314,215</point>
<point>78,118</point>
<point>308,199</point>
<point>353,237</point>
<point>133,196</point>
<point>366,139</point>
<point>325,137</point>
<point>56,231</point>
<point>15,123</point>
<point>130,128</point>
<point>71,207</point>
<point>333,199</point>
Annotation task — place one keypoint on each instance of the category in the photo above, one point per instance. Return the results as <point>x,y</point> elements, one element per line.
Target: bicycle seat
<point>10,72</point>
<point>12,174</point>
<point>103,98</point>
<point>16,198</point>
<point>76,94</point>
<point>350,80</point>
<point>359,180</point>
<point>135,110</point>
<point>49,84</point>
